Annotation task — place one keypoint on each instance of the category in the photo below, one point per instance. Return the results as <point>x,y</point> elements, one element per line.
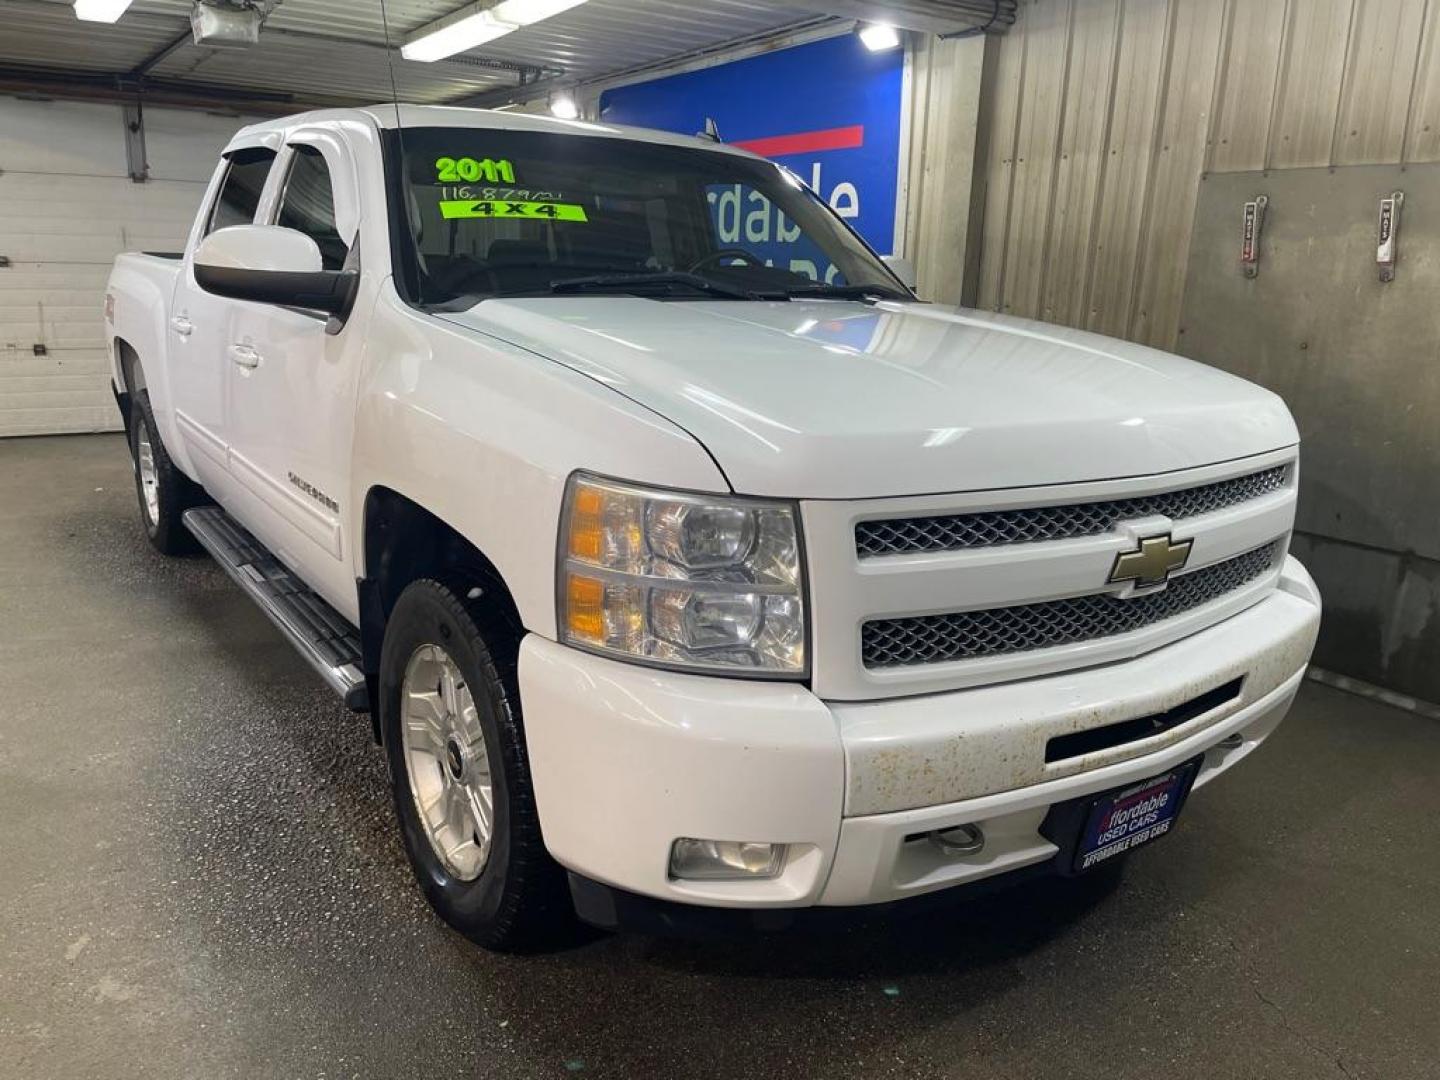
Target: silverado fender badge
<point>315,493</point>
<point>1152,562</point>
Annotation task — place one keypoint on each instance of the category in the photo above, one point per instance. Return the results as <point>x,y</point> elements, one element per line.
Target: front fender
<point>484,435</point>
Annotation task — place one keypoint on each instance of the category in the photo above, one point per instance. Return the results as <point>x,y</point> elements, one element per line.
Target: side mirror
<point>902,268</point>
<point>270,264</point>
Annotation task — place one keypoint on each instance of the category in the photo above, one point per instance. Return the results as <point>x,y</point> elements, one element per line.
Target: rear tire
<point>165,493</point>
<point>450,717</point>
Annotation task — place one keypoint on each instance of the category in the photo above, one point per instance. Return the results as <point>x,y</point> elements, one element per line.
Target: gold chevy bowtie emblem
<point>1153,563</point>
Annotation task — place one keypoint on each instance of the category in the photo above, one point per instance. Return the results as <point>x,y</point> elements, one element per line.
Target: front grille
<point>952,532</point>
<point>969,635</point>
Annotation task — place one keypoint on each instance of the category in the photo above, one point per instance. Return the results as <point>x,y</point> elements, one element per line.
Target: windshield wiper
<point>624,282</point>
<point>849,292</point>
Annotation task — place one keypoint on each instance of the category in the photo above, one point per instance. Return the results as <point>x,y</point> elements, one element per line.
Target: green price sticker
<point>506,208</point>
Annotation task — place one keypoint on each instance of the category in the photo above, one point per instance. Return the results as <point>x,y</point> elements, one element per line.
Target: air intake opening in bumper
<point>1077,743</point>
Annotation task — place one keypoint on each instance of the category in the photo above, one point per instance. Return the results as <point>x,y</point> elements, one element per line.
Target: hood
<point>833,399</point>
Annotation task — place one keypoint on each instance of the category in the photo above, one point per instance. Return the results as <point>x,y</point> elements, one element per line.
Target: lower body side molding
<point>321,634</point>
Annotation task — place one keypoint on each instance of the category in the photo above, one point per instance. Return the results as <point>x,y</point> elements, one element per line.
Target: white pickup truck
<point>692,571</point>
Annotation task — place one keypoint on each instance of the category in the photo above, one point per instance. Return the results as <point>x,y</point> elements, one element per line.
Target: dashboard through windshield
<point>521,213</point>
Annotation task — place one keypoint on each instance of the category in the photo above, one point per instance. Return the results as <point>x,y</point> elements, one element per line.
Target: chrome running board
<point>321,634</point>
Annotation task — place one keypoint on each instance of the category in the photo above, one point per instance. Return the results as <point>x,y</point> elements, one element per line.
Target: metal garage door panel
<point>1358,361</point>
<point>67,208</point>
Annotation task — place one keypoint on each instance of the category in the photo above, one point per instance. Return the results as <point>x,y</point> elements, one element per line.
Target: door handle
<point>181,325</point>
<point>244,356</point>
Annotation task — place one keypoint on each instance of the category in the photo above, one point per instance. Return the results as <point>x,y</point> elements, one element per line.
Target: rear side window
<point>308,205</point>
<point>240,190</point>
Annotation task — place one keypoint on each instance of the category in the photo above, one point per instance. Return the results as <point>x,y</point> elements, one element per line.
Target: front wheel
<point>450,716</point>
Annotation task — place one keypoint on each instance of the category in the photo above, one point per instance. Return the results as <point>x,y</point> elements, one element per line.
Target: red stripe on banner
<point>806,142</point>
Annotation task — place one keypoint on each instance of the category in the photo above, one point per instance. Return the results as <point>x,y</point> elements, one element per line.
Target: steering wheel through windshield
<point>745,258</point>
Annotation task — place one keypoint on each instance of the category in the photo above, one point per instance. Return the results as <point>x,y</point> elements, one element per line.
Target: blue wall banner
<point>829,111</point>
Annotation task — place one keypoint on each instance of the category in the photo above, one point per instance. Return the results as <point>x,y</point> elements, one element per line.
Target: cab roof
<point>389,116</point>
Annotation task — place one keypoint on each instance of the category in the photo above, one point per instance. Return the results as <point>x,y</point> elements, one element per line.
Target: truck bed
<point>137,306</point>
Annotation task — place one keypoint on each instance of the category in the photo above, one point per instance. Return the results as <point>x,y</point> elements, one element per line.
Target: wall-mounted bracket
<point>1252,225</point>
<point>1385,249</point>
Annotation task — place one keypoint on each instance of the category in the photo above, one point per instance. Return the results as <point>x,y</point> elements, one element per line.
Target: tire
<point>164,492</point>
<point>502,891</point>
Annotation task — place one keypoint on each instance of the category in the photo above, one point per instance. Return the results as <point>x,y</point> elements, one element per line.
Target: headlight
<point>691,581</point>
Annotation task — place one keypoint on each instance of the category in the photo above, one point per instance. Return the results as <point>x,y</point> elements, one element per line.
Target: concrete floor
<point>199,876</point>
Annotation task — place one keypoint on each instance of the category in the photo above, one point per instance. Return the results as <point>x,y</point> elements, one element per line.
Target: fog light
<point>724,860</point>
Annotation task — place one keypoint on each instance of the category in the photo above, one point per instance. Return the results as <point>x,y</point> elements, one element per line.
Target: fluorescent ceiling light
<point>565,108</point>
<point>455,38</point>
<point>878,37</point>
<point>525,12</point>
<point>474,25</point>
<point>100,10</point>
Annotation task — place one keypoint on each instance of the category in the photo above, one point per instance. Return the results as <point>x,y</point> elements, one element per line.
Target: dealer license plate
<point>1123,820</point>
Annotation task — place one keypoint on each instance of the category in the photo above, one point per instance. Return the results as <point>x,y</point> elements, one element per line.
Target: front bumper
<point>626,759</point>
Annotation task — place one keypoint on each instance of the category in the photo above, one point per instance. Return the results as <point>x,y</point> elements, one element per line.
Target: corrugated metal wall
<point>938,149</point>
<point>1104,120</point>
<point>1105,113</point>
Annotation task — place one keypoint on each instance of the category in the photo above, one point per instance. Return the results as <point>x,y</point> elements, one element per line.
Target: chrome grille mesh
<point>951,532</point>
<point>968,635</point>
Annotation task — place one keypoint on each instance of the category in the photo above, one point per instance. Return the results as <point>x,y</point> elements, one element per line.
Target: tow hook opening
<point>955,841</point>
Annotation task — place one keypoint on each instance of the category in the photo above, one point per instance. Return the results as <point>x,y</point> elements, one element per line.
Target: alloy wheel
<point>447,762</point>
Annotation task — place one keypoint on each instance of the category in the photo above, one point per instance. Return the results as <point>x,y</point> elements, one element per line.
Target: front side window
<point>520,213</point>
<point>239,196</point>
<point>308,205</point>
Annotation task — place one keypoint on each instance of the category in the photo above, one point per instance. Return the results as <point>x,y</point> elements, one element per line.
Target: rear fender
<point>137,302</point>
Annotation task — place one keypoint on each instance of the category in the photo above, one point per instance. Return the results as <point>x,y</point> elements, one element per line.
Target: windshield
<point>513,213</point>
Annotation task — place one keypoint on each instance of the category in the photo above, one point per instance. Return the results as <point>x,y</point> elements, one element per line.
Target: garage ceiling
<point>333,51</point>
